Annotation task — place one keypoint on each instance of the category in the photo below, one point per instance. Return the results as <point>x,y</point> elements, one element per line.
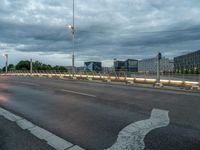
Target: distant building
<point>93,66</point>
<point>189,61</point>
<point>150,65</point>
<point>119,65</point>
<point>130,65</point>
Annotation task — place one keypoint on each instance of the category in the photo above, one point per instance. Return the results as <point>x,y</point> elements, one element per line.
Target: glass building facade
<point>130,65</point>
<point>189,61</point>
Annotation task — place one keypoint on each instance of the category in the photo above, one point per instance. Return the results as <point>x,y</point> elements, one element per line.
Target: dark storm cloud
<point>105,28</point>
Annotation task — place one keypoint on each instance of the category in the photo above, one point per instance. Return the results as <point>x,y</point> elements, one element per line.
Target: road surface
<point>92,115</point>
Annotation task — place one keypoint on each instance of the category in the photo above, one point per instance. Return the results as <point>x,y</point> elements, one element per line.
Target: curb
<point>42,134</point>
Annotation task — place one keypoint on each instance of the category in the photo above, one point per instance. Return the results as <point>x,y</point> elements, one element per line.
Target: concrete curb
<point>51,139</point>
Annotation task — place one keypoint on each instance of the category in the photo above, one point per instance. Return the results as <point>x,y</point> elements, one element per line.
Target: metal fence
<point>166,78</point>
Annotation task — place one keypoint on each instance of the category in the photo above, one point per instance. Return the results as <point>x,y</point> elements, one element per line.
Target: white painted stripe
<point>53,140</point>
<point>79,93</point>
<point>75,148</point>
<point>58,143</point>
<point>132,136</point>
<point>9,115</point>
<point>40,133</point>
<point>24,124</point>
<point>28,83</point>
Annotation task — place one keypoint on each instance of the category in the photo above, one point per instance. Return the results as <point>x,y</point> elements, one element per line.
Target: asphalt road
<point>13,137</point>
<point>91,115</point>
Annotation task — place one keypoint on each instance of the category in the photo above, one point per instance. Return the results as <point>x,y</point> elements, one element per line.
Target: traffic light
<point>159,56</point>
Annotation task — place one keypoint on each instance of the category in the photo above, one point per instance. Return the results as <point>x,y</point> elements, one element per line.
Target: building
<point>119,65</point>
<point>130,65</point>
<point>188,62</point>
<point>93,66</point>
<point>150,65</point>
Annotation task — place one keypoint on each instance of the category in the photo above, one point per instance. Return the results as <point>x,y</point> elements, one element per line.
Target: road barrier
<point>105,77</point>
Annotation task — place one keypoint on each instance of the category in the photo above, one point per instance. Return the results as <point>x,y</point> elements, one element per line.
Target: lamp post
<point>72,29</point>
<point>6,67</point>
<point>31,66</point>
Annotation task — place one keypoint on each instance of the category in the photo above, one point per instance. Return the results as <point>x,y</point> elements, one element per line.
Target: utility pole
<point>31,66</point>
<point>73,57</point>
<point>72,29</point>
<point>6,67</point>
<point>158,67</point>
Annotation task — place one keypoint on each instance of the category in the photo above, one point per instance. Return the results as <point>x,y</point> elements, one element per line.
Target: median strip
<point>51,139</point>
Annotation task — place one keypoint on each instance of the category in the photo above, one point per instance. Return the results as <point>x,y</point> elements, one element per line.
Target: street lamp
<point>6,56</point>
<point>72,29</point>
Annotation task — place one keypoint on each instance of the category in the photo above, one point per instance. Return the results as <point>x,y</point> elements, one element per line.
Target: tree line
<point>25,65</point>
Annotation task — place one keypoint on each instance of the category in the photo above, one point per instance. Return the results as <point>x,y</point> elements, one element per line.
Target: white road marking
<point>58,143</point>
<point>9,115</point>
<point>53,140</point>
<point>75,148</point>
<point>28,83</point>
<point>132,136</point>
<point>24,124</point>
<point>40,133</point>
<point>79,93</point>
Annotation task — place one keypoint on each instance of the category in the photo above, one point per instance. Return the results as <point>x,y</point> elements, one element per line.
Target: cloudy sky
<point>105,29</point>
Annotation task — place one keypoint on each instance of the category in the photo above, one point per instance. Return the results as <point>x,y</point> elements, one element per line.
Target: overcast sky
<point>105,29</point>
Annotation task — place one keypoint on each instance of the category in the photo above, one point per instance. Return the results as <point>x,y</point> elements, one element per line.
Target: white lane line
<point>28,83</point>
<point>132,136</point>
<point>79,93</point>
<point>53,140</point>
<point>25,124</point>
<point>9,115</point>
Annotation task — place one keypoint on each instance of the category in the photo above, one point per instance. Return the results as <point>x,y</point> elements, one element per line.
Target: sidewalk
<point>13,137</point>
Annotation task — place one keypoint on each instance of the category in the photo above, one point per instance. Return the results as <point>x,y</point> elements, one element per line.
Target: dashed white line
<point>79,93</point>
<point>28,83</point>
<point>132,136</point>
<point>53,140</point>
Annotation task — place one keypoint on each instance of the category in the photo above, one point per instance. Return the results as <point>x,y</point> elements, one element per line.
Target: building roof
<point>198,51</point>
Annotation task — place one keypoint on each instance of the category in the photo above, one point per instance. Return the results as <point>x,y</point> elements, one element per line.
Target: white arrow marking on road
<point>132,136</point>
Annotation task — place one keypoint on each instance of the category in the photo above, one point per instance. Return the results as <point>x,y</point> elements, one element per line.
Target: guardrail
<point>104,77</point>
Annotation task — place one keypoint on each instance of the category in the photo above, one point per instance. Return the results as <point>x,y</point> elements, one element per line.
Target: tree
<point>10,68</point>
<point>23,65</point>
<point>60,68</point>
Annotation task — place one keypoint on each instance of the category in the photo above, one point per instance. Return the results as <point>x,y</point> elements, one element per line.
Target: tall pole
<point>6,55</point>
<point>73,34</point>
<point>31,66</point>
<point>158,67</point>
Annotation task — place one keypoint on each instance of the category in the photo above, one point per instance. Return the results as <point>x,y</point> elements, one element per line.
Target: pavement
<point>14,138</point>
<point>100,116</point>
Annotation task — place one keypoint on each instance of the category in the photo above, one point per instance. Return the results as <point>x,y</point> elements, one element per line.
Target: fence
<point>166,79</point>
